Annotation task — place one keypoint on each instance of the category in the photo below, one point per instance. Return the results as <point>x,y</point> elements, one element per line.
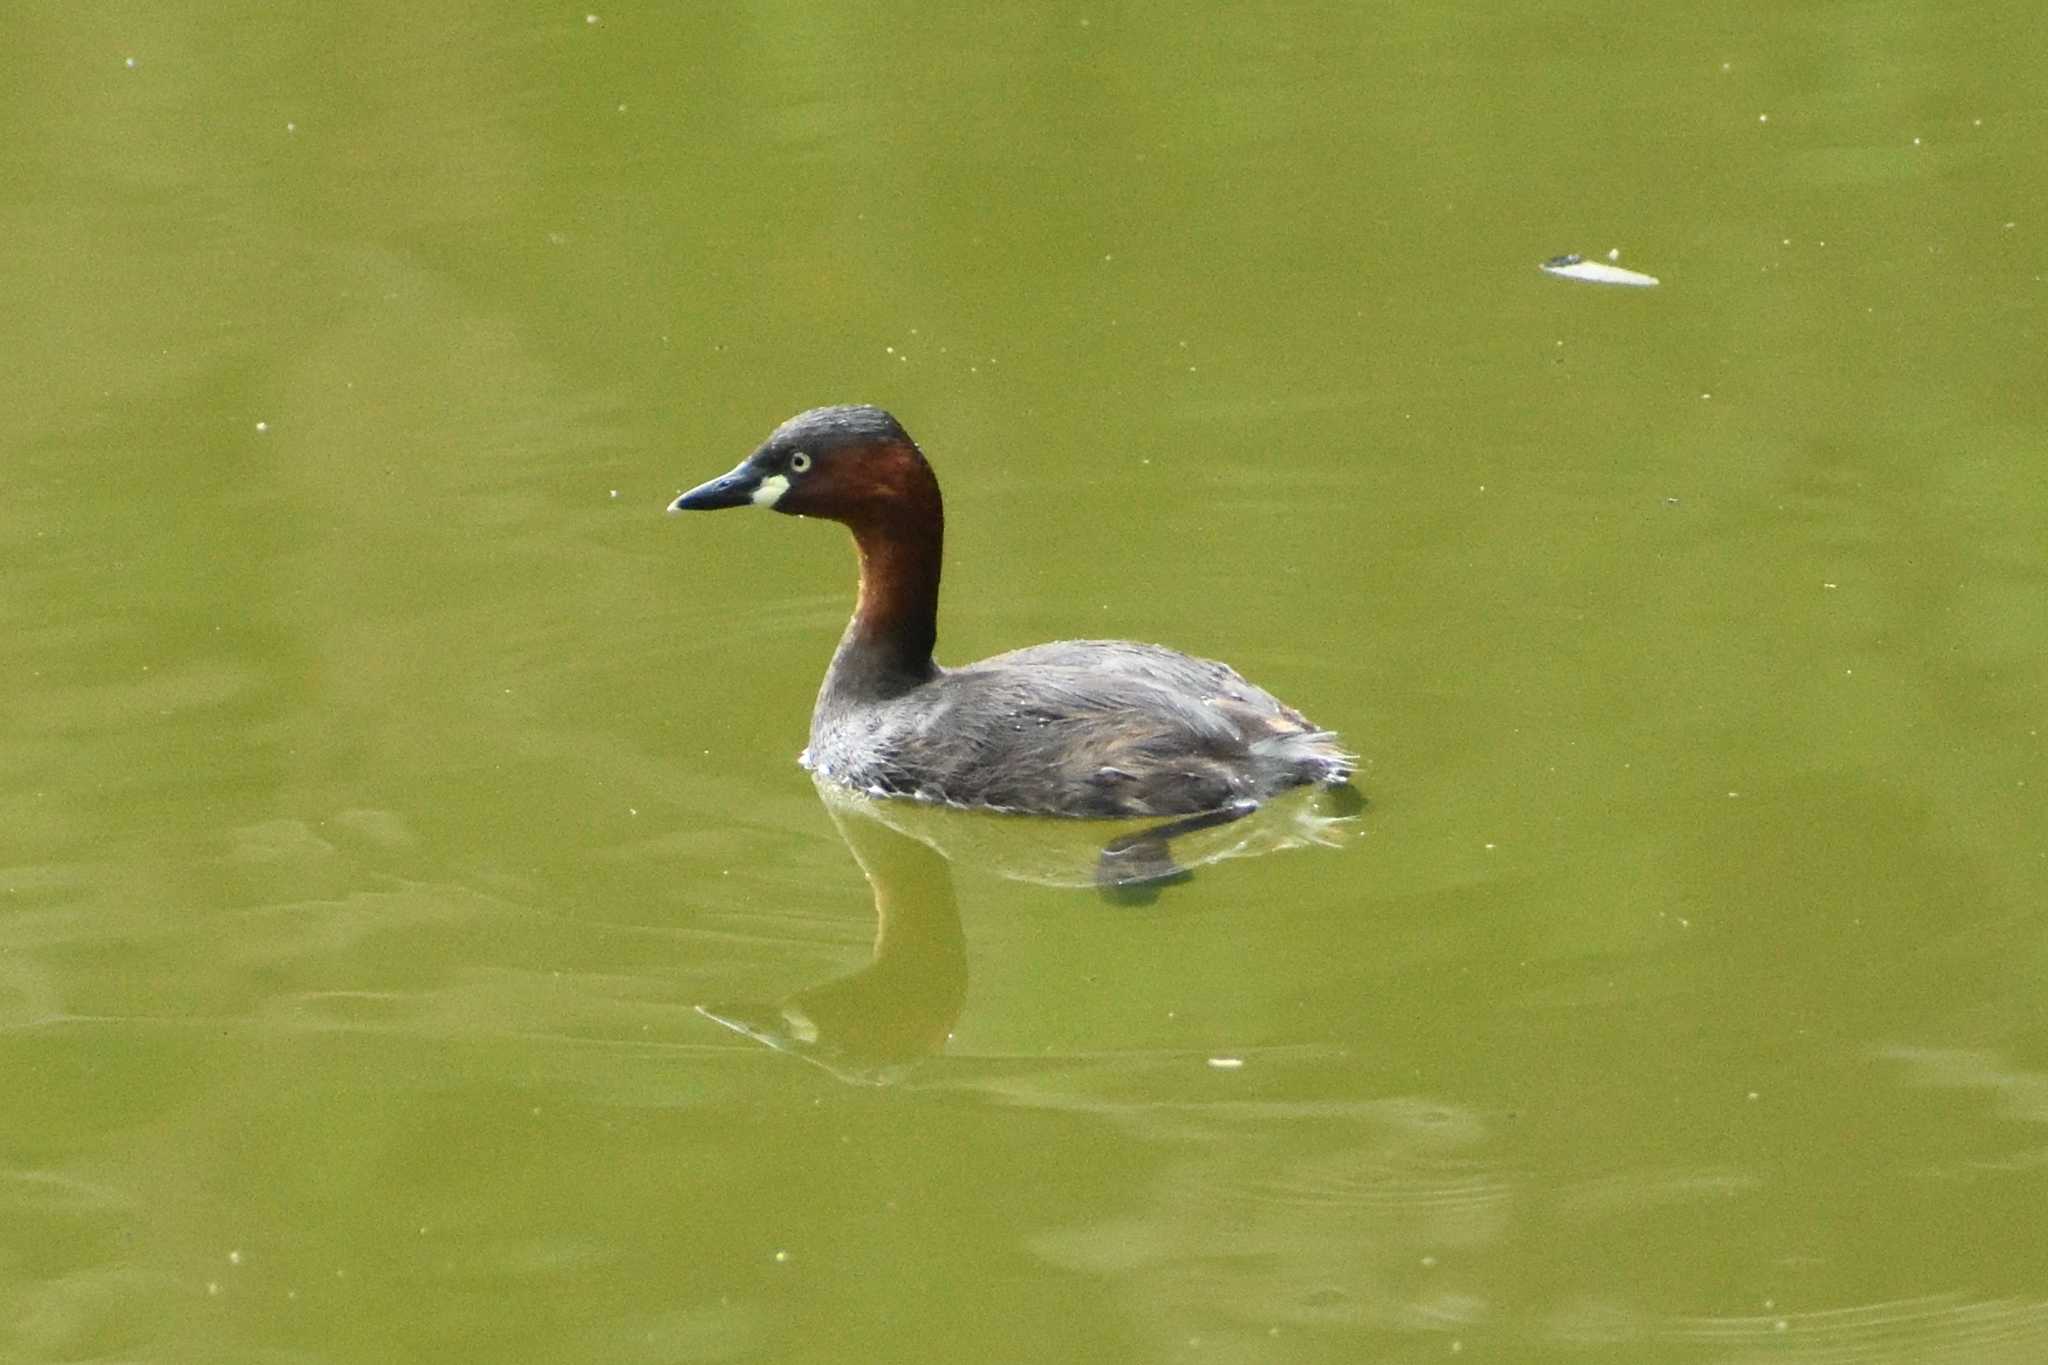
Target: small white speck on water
<point>212,1288</point>
<point>129,62</point>
<point>1614,253</point>
<point>262,427</point>
<point>1780,1325</point>
<point>1732,796</point>
<point>235,1257</point>
<point>590,19</point>
<point>1489,847</point>
<point>1827,585</point>
<point>1916,142</point>
<point>782,1258</point>
<point>632,810</point>
<point>1429,1263</point>
<point>291,127</point>
<point>615,492</point>
<point>1226,1063</point>
<point>1763,118</point>
<point>1752,1097</point>
<point>1706,397</point>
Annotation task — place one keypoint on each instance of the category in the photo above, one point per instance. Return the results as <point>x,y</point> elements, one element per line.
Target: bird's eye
<point>799,462</point>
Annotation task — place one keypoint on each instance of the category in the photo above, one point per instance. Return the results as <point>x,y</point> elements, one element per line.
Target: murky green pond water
<point>385,783</point>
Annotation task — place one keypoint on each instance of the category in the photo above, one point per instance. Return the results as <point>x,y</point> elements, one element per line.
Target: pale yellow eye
<point>799,462</point>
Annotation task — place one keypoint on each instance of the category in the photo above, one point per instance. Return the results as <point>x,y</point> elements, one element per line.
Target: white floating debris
<point>1226,1063</point>
<point>1577,267</point>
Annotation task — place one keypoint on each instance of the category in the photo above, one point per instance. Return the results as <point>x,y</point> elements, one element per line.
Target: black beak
<point>727,490</point>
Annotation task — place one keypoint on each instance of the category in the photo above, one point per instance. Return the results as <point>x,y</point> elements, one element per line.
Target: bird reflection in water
<point>869,1026</point>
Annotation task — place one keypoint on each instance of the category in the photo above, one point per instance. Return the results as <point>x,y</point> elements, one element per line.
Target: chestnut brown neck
<point>888,643</point>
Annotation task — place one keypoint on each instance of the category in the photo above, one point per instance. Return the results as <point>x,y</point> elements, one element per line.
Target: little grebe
<point>1100,728</point>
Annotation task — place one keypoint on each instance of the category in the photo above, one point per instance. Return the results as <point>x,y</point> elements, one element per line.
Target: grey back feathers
<point>1077,727</point>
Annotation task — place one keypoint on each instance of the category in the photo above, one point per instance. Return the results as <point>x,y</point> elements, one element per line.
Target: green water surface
<point>385,782</point>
